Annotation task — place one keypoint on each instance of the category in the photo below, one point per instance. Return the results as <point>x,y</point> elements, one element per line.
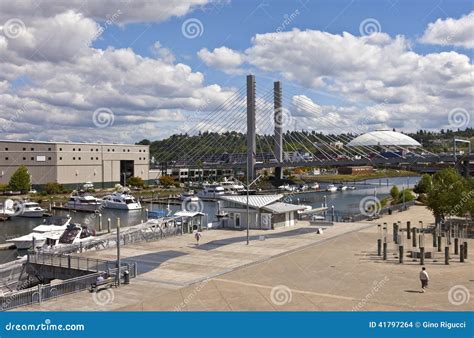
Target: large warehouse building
<point>72,164</point>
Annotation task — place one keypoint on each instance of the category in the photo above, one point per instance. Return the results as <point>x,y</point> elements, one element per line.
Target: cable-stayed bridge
<point>262,125</point>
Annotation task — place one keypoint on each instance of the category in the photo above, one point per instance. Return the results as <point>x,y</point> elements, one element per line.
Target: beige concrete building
<point>73,164</point>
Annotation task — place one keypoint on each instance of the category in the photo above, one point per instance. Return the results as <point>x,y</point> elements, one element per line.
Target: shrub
<point>135,181</point>
<point>167,181</point>
<point>53,188</point>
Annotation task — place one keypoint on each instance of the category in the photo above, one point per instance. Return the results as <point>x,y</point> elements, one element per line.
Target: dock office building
<point>72,164</point>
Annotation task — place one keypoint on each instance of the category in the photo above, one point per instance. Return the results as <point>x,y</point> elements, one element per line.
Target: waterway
<point>345,203</point>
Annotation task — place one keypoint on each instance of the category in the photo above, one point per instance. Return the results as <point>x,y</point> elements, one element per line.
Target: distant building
<point>355,170</point>
<point>265,212</point>
<point>72,164</point>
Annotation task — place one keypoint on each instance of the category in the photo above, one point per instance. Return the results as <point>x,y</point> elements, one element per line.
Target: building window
<point>97,150</point>
<point>60,149</point>
<point>49,149</point>
<point>139,150</point>
<point>74,158</point>
<point>92,149</point>
<point>73,149</point>
<point>128,150</point>
<point>32,149</point>
<point>97,158</point>
<point>60,158</point>
<point>24,149</point>
<point>92,158</point>
<point>113,150</point>
<point>79,149</point>
<point>124,150</point>
<point>79,158</point>
<point>108,149</point>
<point>24,158</point>
<point>6,158</point>
<point>49,158</point>
<point>6,149</point>
<point>32,158</point>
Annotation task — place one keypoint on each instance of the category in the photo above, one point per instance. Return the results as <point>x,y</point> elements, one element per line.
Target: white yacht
<point>30,209</point>
<point>83,201</point>
<point>121,200</point>
<point>211,191</point>
<point>314,186</point>
<point>50,224</point>
<point>287,187</point>
<point>342,188</point>
<point>187,195</point>
<point>232,187</point>
<point>73,234</point>
<point>331,188</point>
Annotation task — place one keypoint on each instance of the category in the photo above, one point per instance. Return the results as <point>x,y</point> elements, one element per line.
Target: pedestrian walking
<point>197,235</point>
<point>424,278</point>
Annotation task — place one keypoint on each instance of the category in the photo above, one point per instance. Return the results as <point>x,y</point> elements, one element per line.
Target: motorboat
<point>50,224</point>
<point>342,188</point>
<point>211,191</point>
<point>351,187</point>
<point>314,186</point>
<point>121,200</point>
<point>331,188</point>
<point>287,187</point>
<point>187,195</point>
<point>303,187</point>
<point>28,209</point>
<point>232,187</point>
<point>73,234</point>
<point>80,200</point>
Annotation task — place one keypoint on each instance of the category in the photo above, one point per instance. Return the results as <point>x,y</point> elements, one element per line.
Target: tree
<point>406,195</point>
<point>20,180</point>
<point>167,181</point>
<point>144,142</point>
<point>135,181</point>
<point>448,194</point>
<point>424,185</point>
<point>395,193</point>
<point>52,188</point>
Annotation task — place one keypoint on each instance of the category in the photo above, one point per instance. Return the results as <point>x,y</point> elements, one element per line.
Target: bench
<point>107,282</point>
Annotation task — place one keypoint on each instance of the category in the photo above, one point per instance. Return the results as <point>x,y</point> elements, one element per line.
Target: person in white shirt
<point>424,278</point>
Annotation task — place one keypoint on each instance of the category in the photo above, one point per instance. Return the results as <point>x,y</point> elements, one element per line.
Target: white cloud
<point>52,80</point>
<point>378,74</point>
<point>454,32</point>
<point>222,58</point>
<point>122,11</point>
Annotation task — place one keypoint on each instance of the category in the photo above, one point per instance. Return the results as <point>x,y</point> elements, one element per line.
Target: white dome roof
<point>384,138</point>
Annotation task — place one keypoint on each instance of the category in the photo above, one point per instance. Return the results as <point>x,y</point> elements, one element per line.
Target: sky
<point>123,70</point>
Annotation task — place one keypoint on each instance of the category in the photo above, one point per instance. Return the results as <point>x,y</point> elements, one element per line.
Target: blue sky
<point>409,67</point>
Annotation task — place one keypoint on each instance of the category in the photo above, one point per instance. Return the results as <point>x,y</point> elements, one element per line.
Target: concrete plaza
<point>291,269</point>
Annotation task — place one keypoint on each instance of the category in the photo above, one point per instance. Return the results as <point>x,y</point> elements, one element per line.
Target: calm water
<point>345,202</point>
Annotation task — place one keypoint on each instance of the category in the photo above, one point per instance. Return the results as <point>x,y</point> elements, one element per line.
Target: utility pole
<point>118,251</point>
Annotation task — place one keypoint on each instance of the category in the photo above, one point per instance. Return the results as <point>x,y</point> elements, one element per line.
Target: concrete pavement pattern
<point>291,269</point>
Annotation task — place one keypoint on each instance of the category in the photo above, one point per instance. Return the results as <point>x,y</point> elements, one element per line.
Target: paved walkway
<point>292,269</point>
